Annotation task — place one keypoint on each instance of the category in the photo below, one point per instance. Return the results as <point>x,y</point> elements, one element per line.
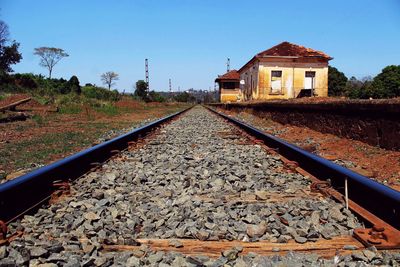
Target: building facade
<point>284,71</point>
<point>229,88</point>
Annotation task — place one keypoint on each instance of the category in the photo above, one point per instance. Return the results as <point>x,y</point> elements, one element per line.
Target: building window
<point>309,80</point>
<point>276,82</point>
<point>229,85</point>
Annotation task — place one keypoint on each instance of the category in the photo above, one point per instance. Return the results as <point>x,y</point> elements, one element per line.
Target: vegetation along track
<point>197,192</point>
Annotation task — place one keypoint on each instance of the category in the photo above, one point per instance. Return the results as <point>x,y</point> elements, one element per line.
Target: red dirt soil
<point>14,98</point>
<point>380,164</point>
<point>89,123</point>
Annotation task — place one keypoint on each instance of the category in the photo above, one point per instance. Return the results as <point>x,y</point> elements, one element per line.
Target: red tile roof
<point>231,75</point>
<point>286,49</point>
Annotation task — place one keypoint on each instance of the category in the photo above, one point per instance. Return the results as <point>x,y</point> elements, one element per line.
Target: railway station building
<point>229,89</point>
<point>285,71</point>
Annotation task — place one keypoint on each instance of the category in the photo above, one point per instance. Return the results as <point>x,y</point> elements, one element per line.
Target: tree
<point>184,97</point>
<point>141,89</point>
<point>4,32</point>
<point>108,78</point>
<point>9,54</point>
<point>49,57</point>
<point>387,83</point>
<point>156,97</point>
<point>336,82</point>
<point>73,85</point>
<point>359,89</point>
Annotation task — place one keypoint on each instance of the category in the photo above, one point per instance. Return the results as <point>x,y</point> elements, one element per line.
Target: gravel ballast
<point>197,179</point>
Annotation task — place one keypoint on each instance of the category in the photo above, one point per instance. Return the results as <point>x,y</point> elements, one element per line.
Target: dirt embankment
<point>368,160</point>
<point>375,122</point>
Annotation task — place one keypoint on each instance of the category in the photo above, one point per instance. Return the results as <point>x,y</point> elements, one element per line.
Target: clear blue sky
<point>189,41</point>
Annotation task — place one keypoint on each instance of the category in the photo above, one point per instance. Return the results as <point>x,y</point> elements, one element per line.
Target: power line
<point>228,65</point>
<point>170,86</point>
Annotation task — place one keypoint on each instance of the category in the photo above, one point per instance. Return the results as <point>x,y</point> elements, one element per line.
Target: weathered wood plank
<point>19,116</point>
<point>323,247</point>
<point>14,104</point>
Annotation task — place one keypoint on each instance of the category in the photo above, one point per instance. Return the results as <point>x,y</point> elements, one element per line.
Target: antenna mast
<point>146,62</point>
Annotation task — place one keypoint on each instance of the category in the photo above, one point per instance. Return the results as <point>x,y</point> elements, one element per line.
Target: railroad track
<point>193,189</point>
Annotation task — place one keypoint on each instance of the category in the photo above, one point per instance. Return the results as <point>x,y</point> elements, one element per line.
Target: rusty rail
<point>380,200</point>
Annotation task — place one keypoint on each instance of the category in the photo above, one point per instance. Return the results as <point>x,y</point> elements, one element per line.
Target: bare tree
<point>4,33</point>
<point>49,57</point>
<point>108,78</point>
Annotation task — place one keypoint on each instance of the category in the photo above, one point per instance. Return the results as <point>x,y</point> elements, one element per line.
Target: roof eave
<point>278,56</point>
<point>228,79</point>
<point>248,63</point>
<point>294,57</point>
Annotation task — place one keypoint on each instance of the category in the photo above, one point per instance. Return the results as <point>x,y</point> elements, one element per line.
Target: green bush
<point>11,88</point>
<point>71,109</point>
<point>38,119</point>
<point>156,97</point>
<point>69,104</point>
<point>68,99</point>
<point>73,85</point>
<point>25,80</point>
<point>100,93</point>
<point>39,85</point>
<point>44,100</point>
<point>184,97</point>
<point>108,109</point>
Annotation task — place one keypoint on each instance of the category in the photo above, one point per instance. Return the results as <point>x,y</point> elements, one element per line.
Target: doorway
<point>309,81</point>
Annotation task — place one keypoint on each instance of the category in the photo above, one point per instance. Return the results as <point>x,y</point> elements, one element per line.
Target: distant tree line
<point>385,85</point>
<point>142,93</point>
<point>40,85</point>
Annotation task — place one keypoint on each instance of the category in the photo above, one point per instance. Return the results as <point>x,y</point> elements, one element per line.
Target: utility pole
<point>215,93</point>
<point>146,62</point>
<point>228,65</point>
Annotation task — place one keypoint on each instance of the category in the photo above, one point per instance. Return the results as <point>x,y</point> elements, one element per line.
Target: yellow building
<point>229,89</point>
<point>284,71</point>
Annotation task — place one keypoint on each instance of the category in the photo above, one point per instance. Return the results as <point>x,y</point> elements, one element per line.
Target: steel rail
<point>19,195</point>
<point>381,200</point>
